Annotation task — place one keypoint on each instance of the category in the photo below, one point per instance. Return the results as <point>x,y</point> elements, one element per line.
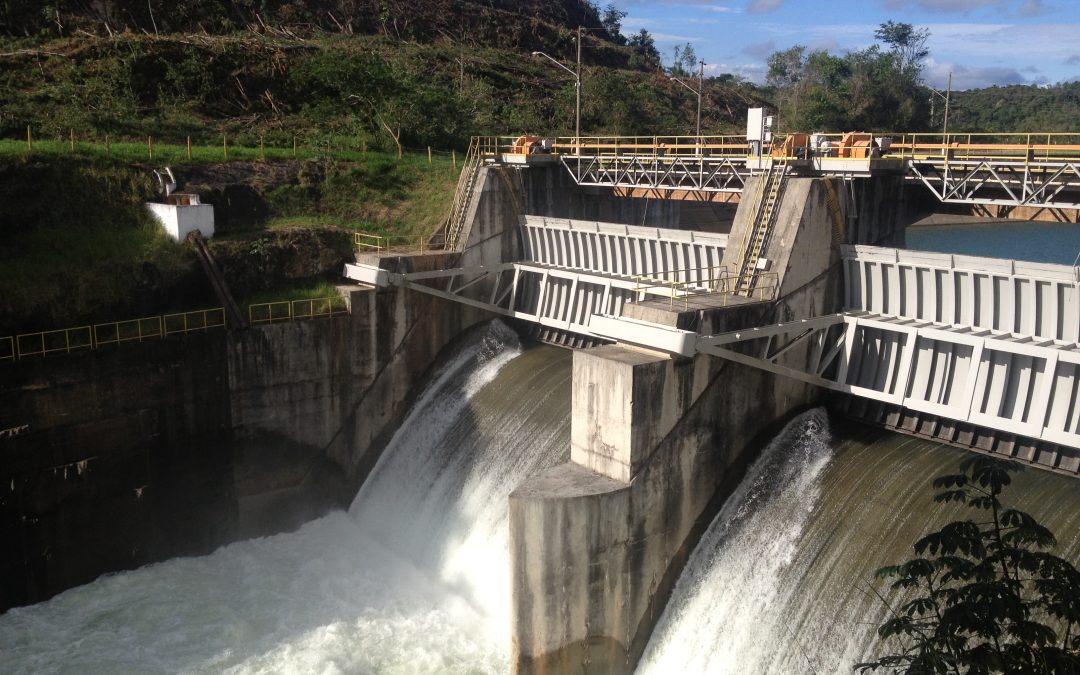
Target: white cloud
<point>970,77</point>
<point>760,50</point>
<point>755,72</point>
<point>1021,7</point>
<point>763,6</point>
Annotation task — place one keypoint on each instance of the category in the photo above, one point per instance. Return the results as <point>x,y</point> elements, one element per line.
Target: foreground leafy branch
<point>985,595</point>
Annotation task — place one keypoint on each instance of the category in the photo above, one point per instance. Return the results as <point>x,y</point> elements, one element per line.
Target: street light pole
<point>948,94</point>
<point>577,102</point>
<point>700,89</point>
<point>701,74</point>
<point>577,87</point>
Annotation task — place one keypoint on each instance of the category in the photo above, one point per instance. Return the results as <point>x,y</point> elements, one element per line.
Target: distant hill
<point>1028,108</point>
<point>504,23</point>
<point>432,72</point>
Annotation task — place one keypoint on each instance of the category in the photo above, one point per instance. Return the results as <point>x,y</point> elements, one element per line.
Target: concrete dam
<point>670,496</point>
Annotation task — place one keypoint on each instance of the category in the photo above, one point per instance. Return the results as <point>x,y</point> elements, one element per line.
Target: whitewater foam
<point>405,582</point>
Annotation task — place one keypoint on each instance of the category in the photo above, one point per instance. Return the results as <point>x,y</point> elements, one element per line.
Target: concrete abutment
<point>657,444</point>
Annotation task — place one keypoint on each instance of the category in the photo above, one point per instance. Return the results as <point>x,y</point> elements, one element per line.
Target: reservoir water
<point>1057,243</point>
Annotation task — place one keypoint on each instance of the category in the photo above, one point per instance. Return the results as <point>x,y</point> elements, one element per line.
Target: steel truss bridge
<point>1008,170</point>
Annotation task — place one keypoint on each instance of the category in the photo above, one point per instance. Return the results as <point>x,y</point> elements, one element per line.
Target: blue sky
<point>982,42</point>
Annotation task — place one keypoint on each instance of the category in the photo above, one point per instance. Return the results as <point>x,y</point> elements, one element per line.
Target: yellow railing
<point>285,310</point>
<point>378,244</point>
<point>659,146</point>
<point>187,322</point>
<point>717,282</point>
<point>137,330</point>
<point>1064,147</point>
<point>126,331</point>
<point>64,340</point>
<point>67,340</point>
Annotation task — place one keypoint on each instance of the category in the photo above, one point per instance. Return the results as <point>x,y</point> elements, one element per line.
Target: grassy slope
<point>330,94</point>
<point>76,245</point>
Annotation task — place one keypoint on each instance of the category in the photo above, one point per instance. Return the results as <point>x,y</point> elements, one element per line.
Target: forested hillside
<point>432,72</point>
<point>1028,108</point>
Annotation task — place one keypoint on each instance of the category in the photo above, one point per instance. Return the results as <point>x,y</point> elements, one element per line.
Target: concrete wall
<point>551,191</point>
<point>147,451</point>
<point>657,444</point>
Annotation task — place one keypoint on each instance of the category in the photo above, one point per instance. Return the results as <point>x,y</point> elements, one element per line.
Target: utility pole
<point>700,89</point>
<point>698,92</point>
<point>948,94</point>
<point>577,86</point>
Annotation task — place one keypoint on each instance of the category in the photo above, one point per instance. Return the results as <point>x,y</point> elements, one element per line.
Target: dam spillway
<point>783,580</point>
<point>413,577</point>
<point>408,580</point>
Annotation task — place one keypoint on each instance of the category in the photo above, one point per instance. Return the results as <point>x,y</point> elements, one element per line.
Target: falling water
<point>783,579</point>
<point>413,579</point>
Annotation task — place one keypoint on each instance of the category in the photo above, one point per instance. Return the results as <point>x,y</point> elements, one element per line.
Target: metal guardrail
<point>294,310</point>
<point>187,322</point>
<point>82,338</point>
<point>377,243</point>
<point>720,283</point>
<point>665,146</point>
<point>64,340</point>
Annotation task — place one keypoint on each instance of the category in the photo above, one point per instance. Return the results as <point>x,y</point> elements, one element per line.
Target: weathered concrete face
<point>657,445</point>
<point>154,450</point>
<point>593,558</point>
<point>551,191</point>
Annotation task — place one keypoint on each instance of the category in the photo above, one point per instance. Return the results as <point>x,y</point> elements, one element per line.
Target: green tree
<point>908,45</point>
<point>645,51</point>
<point>984,595</point>
<point>611,19</point>
<point>685,61</point>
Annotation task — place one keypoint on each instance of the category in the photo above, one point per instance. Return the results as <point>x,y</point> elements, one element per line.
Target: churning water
<point>413,579</point>
<point>781,581</point>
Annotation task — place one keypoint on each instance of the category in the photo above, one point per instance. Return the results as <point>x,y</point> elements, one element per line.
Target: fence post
<point>429,155</point>
<point>453,157</point>
<point>150,146</point>
<point>189,148</point>
<point>262,147</point>
<point>29,138</point>
<point>294,146</point>
<point>225,146</point>
<point>71,136</point>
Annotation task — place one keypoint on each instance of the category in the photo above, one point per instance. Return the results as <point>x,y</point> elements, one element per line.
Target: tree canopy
<point>867,90</point>
<point>983,595</point>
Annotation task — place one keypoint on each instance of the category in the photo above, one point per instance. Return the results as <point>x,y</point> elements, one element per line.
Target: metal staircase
<point>455,220</point>
<point>833,201</point>
<point>763,218</point>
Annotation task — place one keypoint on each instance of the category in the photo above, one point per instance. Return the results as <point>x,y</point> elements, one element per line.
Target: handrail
<point>379,243</point>
<point>294,310</point>
<point>479,147</point>
<point>721,285</point>
<point>81,338</point>
<point>48,342</point>
<point>188,322</point>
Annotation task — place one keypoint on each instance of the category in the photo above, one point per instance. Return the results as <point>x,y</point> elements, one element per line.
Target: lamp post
<point>947,95</point>
<point>577,84</point>
<point>577,88</point>
<point>701,75</point>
